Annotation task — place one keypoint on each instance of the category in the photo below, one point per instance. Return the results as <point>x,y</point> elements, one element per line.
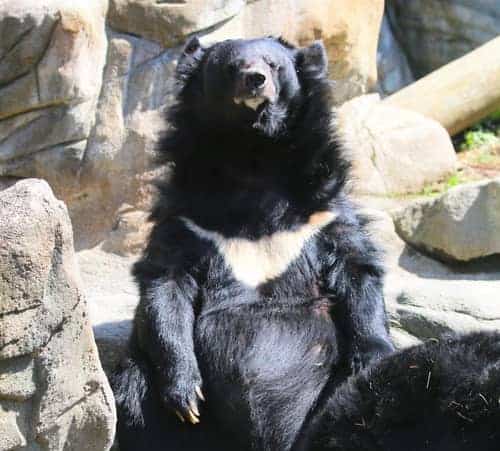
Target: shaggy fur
<point>441,396</point>
<point>259,283</point>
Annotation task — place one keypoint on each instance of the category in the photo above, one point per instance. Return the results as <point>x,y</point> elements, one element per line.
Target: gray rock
<point>393,150</point>
<point>394,71</point>
<point>435,32</point>
<point>138,85</point>
<point>66,403</point>
<point>426,298</point>
<point>170,22</point>
<point>462,224</point>
<point>17,378</point>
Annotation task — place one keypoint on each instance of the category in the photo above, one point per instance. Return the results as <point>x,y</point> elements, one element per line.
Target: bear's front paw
<point>182,396</point>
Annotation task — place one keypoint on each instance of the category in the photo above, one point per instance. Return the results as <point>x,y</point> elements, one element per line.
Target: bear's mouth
<point>256,103</point>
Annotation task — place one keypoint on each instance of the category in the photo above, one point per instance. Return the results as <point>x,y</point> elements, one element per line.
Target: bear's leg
<point>144,424</point>
<point>439,396</point>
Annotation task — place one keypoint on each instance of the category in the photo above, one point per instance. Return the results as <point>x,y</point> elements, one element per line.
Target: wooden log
<point>459,94</point>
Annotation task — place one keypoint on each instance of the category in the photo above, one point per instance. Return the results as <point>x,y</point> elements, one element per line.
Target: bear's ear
<point>190,58</point>
<point>312,61</point>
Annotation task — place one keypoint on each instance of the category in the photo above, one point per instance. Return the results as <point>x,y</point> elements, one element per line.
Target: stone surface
<point>394,71</point>
<point>66,403</point>
<point>52,57</point>
<point>462,224</point>
<point>393,150</point>
<point>138,85</point>
<point>170,22</point>
<point>130,232</point>
<point>426,298</point>
<point>112,296</point>
<point>51,64</point>
<point>434,32</point>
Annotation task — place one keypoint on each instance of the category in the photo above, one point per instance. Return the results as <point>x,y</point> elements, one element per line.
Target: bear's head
<point>256,84</point>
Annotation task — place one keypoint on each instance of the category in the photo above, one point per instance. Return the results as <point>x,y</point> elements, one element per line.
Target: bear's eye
<point>233,69</point>
<point>274,66</point>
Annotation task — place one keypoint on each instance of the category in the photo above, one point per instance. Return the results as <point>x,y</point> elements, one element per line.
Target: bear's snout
<point>254,84</point>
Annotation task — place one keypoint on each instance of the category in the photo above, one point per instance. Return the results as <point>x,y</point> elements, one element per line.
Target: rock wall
<point>83,85</point>
<point>435,32</point>
<point>53,392</point>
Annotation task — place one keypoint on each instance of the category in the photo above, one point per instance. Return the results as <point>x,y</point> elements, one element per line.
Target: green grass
<point>484,134</point>
<point>435,189</point>
<point>479,137</point>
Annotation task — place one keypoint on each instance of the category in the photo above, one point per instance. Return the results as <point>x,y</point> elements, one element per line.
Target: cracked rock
<point>53,392</point>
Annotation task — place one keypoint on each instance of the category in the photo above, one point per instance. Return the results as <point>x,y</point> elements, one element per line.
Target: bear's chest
<point>257,262</point>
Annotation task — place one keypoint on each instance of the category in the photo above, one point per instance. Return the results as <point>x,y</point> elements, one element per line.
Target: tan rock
<point>130,232</point>
<point>17,378</point>
<point>457,95</point>
<point>67,402</point>
<point>393,150</point>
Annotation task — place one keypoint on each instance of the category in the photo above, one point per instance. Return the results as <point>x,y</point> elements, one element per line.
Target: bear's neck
<point>262,182</point>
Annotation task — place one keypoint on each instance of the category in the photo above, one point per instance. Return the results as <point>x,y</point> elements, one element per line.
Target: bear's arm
<point>353,276</point>
<point>166,314</point>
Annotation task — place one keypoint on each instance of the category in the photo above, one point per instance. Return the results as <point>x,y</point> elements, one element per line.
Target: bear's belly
<point>265,364</point>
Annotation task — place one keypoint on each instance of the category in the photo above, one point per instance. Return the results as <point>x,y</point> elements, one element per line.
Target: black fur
<point>262,354</point>
<point>441,396</point>
<point>267,356</point>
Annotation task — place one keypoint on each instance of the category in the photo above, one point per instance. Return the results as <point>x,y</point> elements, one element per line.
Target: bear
<point>261,323</point>
<point>259,285</point>
<point>443,395</point>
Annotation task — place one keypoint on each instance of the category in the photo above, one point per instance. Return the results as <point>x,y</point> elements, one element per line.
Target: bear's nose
<point>254,80</point>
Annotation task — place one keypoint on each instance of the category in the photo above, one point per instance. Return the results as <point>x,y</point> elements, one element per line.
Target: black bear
<point>440,396</point>
<point>260,289</point>
<point>259,281</point>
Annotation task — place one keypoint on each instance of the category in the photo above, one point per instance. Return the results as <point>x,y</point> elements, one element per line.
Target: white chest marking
<point>258,261</point>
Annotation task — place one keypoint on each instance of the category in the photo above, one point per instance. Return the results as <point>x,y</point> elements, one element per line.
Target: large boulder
<point>393,150</point>
<point>53,392</point>
<point>435,32</point>
<point>461,225</point>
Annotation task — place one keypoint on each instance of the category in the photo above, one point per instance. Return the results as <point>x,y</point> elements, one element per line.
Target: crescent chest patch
<point>255,262</point>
